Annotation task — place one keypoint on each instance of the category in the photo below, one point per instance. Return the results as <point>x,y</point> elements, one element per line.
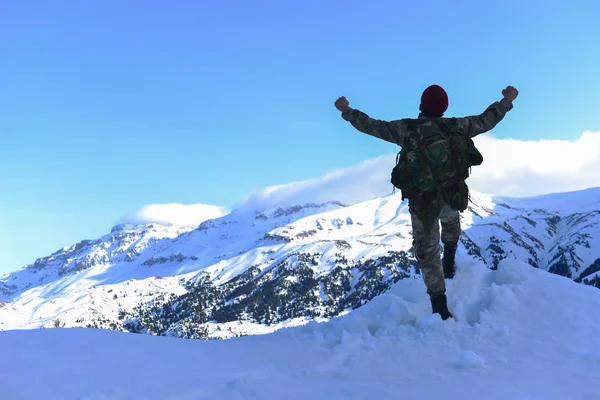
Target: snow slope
<point>520,333</point>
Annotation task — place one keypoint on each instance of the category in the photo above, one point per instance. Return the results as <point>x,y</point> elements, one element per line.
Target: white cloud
<point>511,167</point>
<point>363,181</point>
<point>174,214</point>
<point>528,168</point>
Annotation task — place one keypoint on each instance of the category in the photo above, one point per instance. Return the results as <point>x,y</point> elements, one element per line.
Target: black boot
<point>439,305</point>
<point>448,261</point>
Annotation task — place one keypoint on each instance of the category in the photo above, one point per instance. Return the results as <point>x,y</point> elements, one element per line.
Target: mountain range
<point>258,269</point>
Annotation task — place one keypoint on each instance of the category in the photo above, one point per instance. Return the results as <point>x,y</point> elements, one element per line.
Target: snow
<point>469,359</point>
<point>519,333</point>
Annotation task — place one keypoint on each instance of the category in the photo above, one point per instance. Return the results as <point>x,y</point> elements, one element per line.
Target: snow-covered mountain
<point>255,271</point>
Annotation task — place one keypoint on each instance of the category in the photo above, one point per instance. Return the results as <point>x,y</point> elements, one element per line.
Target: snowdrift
<point>519,333</point>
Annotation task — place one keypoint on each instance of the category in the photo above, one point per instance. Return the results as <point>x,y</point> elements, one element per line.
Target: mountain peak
<point>172,214</point>
<point>278,212</point>
<point>127,227</point>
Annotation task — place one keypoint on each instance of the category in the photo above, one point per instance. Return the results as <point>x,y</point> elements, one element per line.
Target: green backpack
<point>435,160</point>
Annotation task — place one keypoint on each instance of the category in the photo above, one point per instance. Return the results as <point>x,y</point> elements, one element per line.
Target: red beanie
<point>434,100</point>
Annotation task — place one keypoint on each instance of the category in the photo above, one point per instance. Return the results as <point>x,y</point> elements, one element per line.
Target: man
<point>425,223</point>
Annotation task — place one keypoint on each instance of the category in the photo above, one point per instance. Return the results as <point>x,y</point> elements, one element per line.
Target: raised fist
<point>510,93</point>
<point>341,103</point>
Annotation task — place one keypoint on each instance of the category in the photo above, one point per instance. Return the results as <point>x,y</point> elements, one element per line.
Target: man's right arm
<point>487,120</point>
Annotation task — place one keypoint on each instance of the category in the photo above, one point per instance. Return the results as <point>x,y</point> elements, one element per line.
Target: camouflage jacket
<point>395,131</point>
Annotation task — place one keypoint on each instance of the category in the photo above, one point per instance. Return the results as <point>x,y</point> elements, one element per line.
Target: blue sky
<point>108,106</point>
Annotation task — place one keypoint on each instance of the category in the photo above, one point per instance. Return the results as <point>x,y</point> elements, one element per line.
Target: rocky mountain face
<point>256,271</point>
